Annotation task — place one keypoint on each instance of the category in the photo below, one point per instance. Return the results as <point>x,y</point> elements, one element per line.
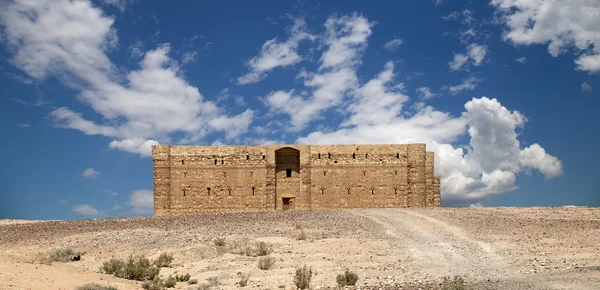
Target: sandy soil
<point>493,248</point>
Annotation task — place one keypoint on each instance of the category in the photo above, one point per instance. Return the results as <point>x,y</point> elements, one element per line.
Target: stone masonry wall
<point>194,179</point>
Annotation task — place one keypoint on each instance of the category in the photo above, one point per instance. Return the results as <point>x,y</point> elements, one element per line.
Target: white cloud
<point>458,61</point>
<point>393,44</point>
<point>521,59</point>
<point>137,49</point>
<point>465,17</point>
<point>90,173</point>
<point>121,4</point>
<point>22,125</point>
<point>276,54</point>
<point>142,202</point>
<point>345,38</point>
<point>70,40</point>
<point>87,210</point>
<point>425,93</point>
<point>189,57</point>
<point>585,87</point>
<point>562,24</point>
<point>468,84</point>
<point>487,166</point>
<point>477,53</point>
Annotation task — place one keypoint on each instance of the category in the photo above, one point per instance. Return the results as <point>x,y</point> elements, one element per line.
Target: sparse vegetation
<point>301,236</point>
<point>164,260</point>
<point>63,255</point>
<point>155,284</point>
<point>347,278</point>
<point>170,282</point>
<point>192,281</point>
<point>244,280</point>
<point>220,242</point>
<point>265,263</point>
<point>113,267</point>
<point>182,278</point>
<point>213,281</point>
<point>252,250</point>
<point>137,268</point>
<point>303,277</point>
<point>457,283</point>
<point>95,286</point>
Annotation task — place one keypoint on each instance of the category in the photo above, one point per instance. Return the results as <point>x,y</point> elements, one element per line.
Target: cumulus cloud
<point>142,202</point>
<point>87,210</point>
<point>345,39</point>
<point>393,44</point>
<point>468,84</point>
<point>521,59</point>
<point>425,93</point>
<point>585,87</point>
<point>458,61</point>
<point>276,54</point>
<point>560,24</point>
<point>477,53</point>
<point>90,173</point>
<point>145,106</point>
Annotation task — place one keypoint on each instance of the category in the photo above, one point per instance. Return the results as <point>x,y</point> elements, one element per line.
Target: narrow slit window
<point>372,191</point>
<point>253,190</point>
<point>324,172</point>
<point>348,189</point>
<point>222,162</point>
<point>263,157</point>
<point>215,161</point>
<point>288,172</point>
<point>397,155</point>
<point>319,156</point>
<point>229,191</point>
<point>182,161</point>
<point>364,172</point>
<point>329,155</point>
<point>247,157</point>
<point>322,190</point>
<point>183,191</point>
<point>395,190</point>
<point>366,155</point>
<point>353,155</point>
<point>208,190</point>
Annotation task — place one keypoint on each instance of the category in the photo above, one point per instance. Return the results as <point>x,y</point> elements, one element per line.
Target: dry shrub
<point>244,280</point>
<point>183,278</point>
<point>301,236</point>
<point>192,281</point>
<point>140,268</point>
<point>263,249</point>
<point>164,260</point>
<point>252,250</point>
<point>170,282</point>
<point>113,267</point>
<point>265,263</point>
<point>155,284</point>
<point>303,277</point>
<point>220,242</point>
<point>348,278</point>
<point>95,286</point>
<point>458,283</point>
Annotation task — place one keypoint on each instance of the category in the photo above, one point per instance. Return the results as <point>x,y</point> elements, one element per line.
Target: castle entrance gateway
<point>287,177</point>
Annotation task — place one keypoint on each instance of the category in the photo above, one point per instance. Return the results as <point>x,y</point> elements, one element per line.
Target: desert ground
<point>492,248</point>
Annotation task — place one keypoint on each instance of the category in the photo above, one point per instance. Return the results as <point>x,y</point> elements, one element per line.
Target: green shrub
<point>139,268</point>
<point>303,277</point>
<point>182,278</point>
<point>155,284</point>
<point>265,263</point>
<point>95,286</point>
<point>113,267</point>
<point>164,260</point>
<point>348,278</point>
<point>263,249</point>
<point>455,284</point>
<point>170,282</point>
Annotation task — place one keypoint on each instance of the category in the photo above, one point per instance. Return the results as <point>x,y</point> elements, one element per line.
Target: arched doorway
<point>287,177</point>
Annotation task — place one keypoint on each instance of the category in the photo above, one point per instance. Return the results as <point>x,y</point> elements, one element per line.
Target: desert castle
<point>195,179</point>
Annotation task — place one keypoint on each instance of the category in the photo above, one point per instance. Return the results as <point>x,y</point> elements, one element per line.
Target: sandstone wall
<point>192,179</point>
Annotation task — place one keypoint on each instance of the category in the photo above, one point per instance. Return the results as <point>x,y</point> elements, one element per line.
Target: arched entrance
<point>287,178</point>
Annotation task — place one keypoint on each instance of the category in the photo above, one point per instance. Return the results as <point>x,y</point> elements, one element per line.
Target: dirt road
<point>493,248</point>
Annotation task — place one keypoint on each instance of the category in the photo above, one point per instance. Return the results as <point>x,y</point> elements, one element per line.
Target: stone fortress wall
<point>197,179</point>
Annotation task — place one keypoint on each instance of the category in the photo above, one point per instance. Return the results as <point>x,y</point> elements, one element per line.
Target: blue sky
<point>503,91</point>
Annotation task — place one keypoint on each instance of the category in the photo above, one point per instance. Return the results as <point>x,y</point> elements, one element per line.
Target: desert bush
<point>265,263</point>
<point>63,255</point>
<point>192,281</point>
<point>220,242</point>
<point>170,282</point>
<point>303,277</point>
<point>155,284</point>
<point>139,268</point>
<point>213,281</point>
<point>182,278</point>
<point>263,249</point>
<point>113,267</point>
<point>458,283</point>
<point>301,236</point>
<point>95,286</point>
<point>164,260</point>
<point>244,280</point>
<point>348,278</point>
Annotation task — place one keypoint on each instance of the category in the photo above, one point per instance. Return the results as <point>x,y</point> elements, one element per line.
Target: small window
<point>397,155</point>
<point>322,190</point>
<point>182,162</point>
<point>215,161</point>
<point>324,172</point>
<point>229,191</point>
<point>348,189</point>
<point>253,190</point>
<point>251,173</point>
<point>319,156</point>
<point>288,172</point>
<point>364,172</point>
<point>247,157</point>
<point>372,191</point>
<point>353,155</point>
<point>329,155</point>
<point>183,191</point>
<point>395,190</point>
<point>263,157</point>
<point>222,162</point>
<point>208,190</point>
<point>366,155</point>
